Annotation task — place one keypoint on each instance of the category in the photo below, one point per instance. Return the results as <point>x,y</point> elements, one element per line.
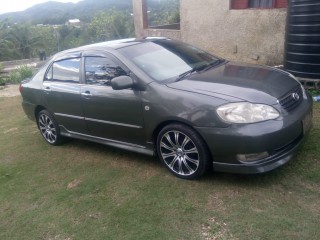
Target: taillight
<point>20,88</point>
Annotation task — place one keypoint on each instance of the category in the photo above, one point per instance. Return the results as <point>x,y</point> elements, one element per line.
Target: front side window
<point>67,70</point>
<point>101,70</point>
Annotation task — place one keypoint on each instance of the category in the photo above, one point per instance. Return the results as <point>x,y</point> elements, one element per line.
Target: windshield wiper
<point>212,64</point>
<point>192,70</point>
<point>204,67</point>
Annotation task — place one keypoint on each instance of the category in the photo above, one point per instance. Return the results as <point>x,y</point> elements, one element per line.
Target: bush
<point>314,92</point>
<point>2,79</point>
<point>21,73</point>
<point>14,77</point>
<point>25,72</point>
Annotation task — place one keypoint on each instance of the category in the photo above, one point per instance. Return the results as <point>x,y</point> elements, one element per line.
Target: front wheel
<point>182,151</point>
<point>49,128</point>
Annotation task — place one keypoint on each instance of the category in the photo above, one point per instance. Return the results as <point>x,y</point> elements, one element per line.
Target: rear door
<point>110,114</point>
<point>61,86</point>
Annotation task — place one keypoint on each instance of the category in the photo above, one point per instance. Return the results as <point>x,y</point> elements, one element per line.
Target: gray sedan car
<point>159,96</point>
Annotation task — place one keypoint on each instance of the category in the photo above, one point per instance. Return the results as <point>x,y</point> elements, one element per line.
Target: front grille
<point>292,99</point>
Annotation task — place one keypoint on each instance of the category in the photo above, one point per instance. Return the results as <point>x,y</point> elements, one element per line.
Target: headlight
<point>243,112</point>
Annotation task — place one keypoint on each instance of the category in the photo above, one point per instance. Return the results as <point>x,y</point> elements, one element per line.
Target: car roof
<point>115,44</point>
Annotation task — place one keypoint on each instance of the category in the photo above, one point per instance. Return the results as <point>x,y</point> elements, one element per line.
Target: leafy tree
<point>6,46</point>
<point>163,12</point>
<point>47,42</point>
<point>111,24</point>
<point>24,40</point>
<point>70,36</point>
<point>64,31</point>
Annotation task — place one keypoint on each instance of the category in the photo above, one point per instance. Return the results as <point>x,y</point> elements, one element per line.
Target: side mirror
<point>122,82</point>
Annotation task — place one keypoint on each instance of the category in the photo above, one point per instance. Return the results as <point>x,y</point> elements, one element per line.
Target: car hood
<point>240,82</point>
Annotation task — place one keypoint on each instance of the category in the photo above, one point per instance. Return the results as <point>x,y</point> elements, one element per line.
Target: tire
<point>183,151</point>
<point>49,128</point>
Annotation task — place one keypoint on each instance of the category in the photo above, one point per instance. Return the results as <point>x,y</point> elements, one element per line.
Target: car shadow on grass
<point>124,157</point>
<point>113,151</point>
<point>245,179</point>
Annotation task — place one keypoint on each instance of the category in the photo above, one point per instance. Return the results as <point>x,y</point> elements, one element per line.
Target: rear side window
<point>101,70</point>
<point>67,70</point>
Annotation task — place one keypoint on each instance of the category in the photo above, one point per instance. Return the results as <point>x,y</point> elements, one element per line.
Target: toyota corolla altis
<point>160,96</point>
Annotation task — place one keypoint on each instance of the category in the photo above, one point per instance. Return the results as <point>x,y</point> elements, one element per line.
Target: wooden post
<point>140,17</point>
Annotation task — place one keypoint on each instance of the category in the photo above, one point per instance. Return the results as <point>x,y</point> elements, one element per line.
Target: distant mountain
<point>58,13</point>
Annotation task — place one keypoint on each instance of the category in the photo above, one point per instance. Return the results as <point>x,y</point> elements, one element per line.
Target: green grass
<point>83,190</point>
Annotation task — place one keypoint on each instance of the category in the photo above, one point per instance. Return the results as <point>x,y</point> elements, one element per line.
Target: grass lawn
<point>83,190</point>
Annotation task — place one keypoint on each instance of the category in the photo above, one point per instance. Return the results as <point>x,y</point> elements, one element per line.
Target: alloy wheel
<point>179,153</point>
<point>47,128</point>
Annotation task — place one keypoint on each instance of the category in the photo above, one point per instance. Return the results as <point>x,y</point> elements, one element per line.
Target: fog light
<point>251,157</point>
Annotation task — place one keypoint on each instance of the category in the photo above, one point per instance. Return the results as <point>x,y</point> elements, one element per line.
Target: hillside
<point>58,13</point>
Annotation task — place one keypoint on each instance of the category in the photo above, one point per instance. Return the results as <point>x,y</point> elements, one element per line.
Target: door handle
<point>47,89</point>
<point>86,94</point>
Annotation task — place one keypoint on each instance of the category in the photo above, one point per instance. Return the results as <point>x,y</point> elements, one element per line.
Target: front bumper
<point>261,166</point>
<point>280,138</point>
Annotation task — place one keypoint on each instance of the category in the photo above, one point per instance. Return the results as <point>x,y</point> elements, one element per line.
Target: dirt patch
<point>9,90</point>
<point>74,184</point>
<point>215,230</point>
<point>10,130</point>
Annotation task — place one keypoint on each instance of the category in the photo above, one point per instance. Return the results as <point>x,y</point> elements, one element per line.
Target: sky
<point>20,5</point>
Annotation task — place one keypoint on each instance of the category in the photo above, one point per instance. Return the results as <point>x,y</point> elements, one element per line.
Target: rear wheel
<point>182,151</point>
<point>49,128</point>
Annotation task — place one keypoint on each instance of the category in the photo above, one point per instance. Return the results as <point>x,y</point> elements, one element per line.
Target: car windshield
<point>166,60</point>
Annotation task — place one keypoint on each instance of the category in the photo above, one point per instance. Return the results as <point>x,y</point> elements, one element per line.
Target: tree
<point>111,24</point>
<point>71,36</point>
<point>163,12</point>
<point>6,46</point>
<point>24,40</point>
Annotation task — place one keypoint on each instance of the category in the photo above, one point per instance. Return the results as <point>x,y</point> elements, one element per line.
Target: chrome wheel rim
<point>179,153</point>
<point>47,128</point>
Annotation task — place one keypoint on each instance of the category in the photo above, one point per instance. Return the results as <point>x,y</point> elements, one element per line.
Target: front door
<point>110,114</point>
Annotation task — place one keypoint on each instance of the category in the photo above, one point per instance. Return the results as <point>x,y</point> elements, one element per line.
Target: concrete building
<point>240,30</point>
<point>73,22</point>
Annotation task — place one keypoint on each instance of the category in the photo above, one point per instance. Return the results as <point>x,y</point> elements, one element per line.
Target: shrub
<point>2,79</point>
<point>25,72</point>
<point>314,92</point>
<point>14,77</point>
<point>21,73</point>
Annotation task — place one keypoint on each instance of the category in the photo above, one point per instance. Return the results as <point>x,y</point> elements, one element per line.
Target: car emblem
<point>295,96</point>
